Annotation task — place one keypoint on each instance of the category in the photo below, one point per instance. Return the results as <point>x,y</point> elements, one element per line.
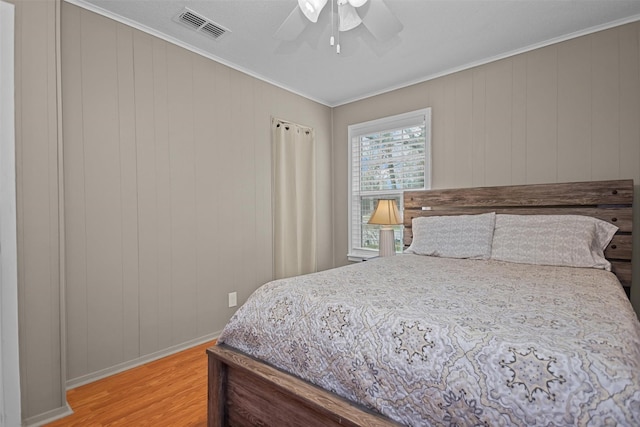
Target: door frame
<point>10,400</point>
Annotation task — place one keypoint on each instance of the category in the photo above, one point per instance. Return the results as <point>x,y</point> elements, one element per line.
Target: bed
<point>501,343</point>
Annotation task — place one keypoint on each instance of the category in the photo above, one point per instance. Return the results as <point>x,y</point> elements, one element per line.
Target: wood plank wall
<point>167,191</point>
<point>562,113</point>
<point>39,287</point>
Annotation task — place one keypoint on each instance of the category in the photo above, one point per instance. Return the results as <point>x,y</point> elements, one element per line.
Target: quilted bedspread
<point>437,341</point>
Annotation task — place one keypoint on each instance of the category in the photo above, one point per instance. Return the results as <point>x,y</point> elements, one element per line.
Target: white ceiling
<point>439,37</point>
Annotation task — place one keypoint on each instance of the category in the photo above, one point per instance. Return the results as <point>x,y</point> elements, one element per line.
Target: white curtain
<point>294,198</point>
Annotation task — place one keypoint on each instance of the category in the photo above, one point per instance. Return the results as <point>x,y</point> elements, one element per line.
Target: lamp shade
<point>386,213</point>
<point>312,8</point>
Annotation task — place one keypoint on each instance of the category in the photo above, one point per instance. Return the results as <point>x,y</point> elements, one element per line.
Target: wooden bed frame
<point>244,391</point>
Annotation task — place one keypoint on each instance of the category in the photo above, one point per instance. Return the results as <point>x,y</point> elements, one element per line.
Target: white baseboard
<point>48,417</point>
<point>103,373</point>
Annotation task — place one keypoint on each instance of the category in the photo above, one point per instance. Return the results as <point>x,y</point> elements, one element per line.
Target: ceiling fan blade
<point>379,20</point>
<point>348,17</point>
<point>292,26</point>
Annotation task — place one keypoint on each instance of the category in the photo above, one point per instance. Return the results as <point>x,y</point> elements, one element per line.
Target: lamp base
<point>387,242</point>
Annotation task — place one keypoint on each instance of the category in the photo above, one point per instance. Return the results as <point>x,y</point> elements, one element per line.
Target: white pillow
<point>459,236</point>
<point>565,240</point>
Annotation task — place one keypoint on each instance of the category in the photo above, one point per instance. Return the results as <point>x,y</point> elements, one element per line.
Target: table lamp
<point>386,215</point>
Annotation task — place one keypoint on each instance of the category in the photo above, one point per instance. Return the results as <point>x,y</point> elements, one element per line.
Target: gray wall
<point>566,112</point>
<point>167,191</point>
<point>39,284</point>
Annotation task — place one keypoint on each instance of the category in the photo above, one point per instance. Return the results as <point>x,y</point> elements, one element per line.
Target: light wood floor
<point>167,392</point>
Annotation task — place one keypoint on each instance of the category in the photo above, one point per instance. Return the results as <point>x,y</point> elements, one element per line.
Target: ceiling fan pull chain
<point>332,40</point>
<point>337,45</point>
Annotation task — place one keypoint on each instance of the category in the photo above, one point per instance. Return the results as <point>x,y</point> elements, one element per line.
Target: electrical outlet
<point>233,299</point>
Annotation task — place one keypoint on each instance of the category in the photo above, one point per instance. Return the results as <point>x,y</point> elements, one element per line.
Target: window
<point>386,157</point>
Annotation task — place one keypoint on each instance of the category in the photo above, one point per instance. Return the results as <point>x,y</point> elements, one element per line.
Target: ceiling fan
<point>373,14</point>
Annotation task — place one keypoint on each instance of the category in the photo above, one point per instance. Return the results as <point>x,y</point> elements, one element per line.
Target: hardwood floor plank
<point>171,391</point>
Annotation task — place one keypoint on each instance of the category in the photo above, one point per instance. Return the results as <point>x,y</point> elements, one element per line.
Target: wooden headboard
<point>610,201</point>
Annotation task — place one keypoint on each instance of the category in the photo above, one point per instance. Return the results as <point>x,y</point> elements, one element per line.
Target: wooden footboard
<point>246,392</point>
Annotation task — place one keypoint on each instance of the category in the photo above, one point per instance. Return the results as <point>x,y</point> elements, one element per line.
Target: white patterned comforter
<point>437,341</point>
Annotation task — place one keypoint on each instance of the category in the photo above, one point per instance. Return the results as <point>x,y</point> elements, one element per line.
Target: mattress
<point>438,341</point>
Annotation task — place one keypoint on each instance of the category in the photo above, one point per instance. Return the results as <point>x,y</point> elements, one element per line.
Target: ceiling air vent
<point>201,24</point>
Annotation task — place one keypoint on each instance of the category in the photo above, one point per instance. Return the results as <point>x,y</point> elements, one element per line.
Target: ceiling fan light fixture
<point>312,8</point>
<point>348,17</point>
<point>357,3</point>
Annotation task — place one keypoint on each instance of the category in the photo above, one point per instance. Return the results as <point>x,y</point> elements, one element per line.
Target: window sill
<point>359,256</point>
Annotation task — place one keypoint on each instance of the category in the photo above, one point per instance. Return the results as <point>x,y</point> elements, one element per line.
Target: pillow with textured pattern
<point>456,236</point>
<point>564,240</point>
